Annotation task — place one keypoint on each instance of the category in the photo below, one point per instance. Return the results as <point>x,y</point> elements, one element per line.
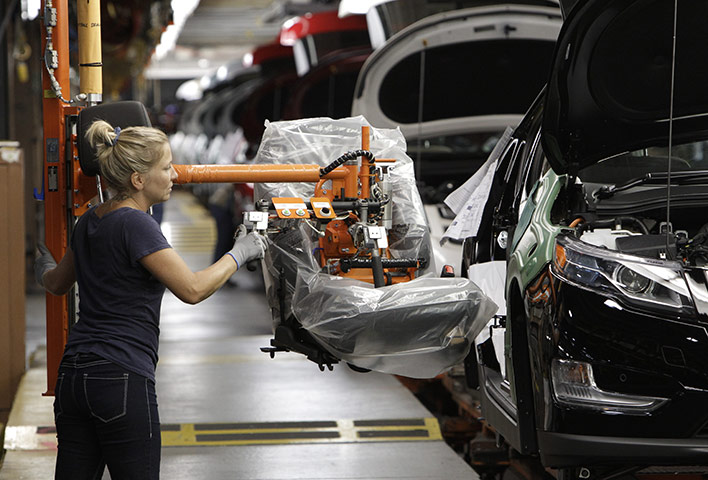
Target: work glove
<point>43,262</point>
<point>247,247</point>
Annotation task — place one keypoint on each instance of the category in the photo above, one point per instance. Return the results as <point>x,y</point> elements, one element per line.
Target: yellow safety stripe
<point>340,431</point>
<point>262,433</point>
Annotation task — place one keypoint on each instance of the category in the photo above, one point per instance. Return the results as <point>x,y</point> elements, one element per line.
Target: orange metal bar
<point>351,181</point>
<point>55,184</point>
<point>253,173</point>
<point>320,192</point>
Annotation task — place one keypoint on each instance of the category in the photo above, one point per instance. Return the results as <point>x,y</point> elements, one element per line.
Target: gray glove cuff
<point>42,264</point>
<point>248,247</point>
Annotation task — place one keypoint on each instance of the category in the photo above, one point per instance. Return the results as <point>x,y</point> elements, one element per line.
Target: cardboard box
<point>12,272</point>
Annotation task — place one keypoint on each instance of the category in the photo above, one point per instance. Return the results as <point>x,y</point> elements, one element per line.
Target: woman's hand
<point>56,279</point>
<point>43,262</point>
<point>247,247</point>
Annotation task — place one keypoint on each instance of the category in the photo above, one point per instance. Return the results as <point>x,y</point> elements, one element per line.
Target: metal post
<point>55,45</point>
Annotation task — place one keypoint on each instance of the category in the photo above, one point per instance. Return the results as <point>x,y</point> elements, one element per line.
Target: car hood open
<point>610,83</point>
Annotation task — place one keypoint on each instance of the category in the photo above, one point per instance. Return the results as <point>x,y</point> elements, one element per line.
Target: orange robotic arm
<point>253,173</point>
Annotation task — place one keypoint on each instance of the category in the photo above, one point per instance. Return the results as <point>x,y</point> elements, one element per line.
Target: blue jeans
<point>105,416</point>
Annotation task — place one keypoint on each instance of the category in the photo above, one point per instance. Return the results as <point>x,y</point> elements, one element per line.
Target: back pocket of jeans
<point>106,397</point>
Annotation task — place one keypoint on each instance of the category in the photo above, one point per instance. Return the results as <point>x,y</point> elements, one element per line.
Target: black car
<point>598,364</point>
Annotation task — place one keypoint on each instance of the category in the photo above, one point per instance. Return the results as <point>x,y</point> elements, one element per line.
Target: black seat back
<point>119,114</point>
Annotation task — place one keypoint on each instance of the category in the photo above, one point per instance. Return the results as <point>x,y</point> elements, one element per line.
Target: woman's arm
<point>60,279</point>
<point>190,287</point>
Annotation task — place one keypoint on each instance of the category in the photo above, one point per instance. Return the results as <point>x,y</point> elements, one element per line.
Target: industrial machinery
<point>354,210</point>
<point>338,231</point>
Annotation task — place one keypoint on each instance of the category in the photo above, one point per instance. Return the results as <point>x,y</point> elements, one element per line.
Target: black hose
<point>377,270</point>
<point>349,156</point>
<point>341,205</point>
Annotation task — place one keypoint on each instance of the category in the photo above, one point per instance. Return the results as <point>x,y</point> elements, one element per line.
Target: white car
<point>481,69</point>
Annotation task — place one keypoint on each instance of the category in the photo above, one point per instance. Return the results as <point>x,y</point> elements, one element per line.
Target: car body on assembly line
<point>596,214</point>
<point>453,82</point>
<point>329,52</point>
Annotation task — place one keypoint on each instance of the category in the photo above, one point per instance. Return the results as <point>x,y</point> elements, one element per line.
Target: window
<point>330,97</point>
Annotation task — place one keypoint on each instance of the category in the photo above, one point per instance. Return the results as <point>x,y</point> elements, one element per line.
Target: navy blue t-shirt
<point>119,300</point>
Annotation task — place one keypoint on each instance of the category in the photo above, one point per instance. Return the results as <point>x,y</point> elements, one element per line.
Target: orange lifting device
<point>351,241</point>
<point>66,192</point>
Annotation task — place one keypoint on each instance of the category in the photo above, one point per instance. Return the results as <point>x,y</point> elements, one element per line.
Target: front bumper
<point>632,352</point>
<point>568,450</point>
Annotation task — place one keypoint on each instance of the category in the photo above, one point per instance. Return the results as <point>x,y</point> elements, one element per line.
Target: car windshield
<point>466,79</point>
<point>622,168</point>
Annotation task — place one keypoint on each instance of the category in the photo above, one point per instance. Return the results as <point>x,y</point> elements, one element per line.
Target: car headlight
<point>643,281</point>
<point>574,385</point>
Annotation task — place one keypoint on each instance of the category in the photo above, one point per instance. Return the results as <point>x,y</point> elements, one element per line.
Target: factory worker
<point>105,404</point>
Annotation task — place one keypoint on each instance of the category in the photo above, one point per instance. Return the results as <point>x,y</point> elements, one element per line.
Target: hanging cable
<point>671,131</point>
<point>345,158</point>
<point>51,57</point>
<point>421,101</point>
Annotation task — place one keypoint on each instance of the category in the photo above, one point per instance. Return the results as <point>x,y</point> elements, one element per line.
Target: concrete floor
<point>212,378</point>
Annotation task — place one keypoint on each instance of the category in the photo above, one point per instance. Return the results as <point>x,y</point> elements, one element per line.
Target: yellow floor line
<point>271,433</point>
<point>342,431</point>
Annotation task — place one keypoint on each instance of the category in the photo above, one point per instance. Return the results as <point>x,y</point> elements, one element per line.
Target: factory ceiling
<point>220,31</point>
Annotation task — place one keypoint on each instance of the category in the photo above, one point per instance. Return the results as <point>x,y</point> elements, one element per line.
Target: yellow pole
<point>90,59</point>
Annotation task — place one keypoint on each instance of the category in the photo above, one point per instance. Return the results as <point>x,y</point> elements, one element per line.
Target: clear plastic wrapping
<point>319,141</point>
<point>418,328</point>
